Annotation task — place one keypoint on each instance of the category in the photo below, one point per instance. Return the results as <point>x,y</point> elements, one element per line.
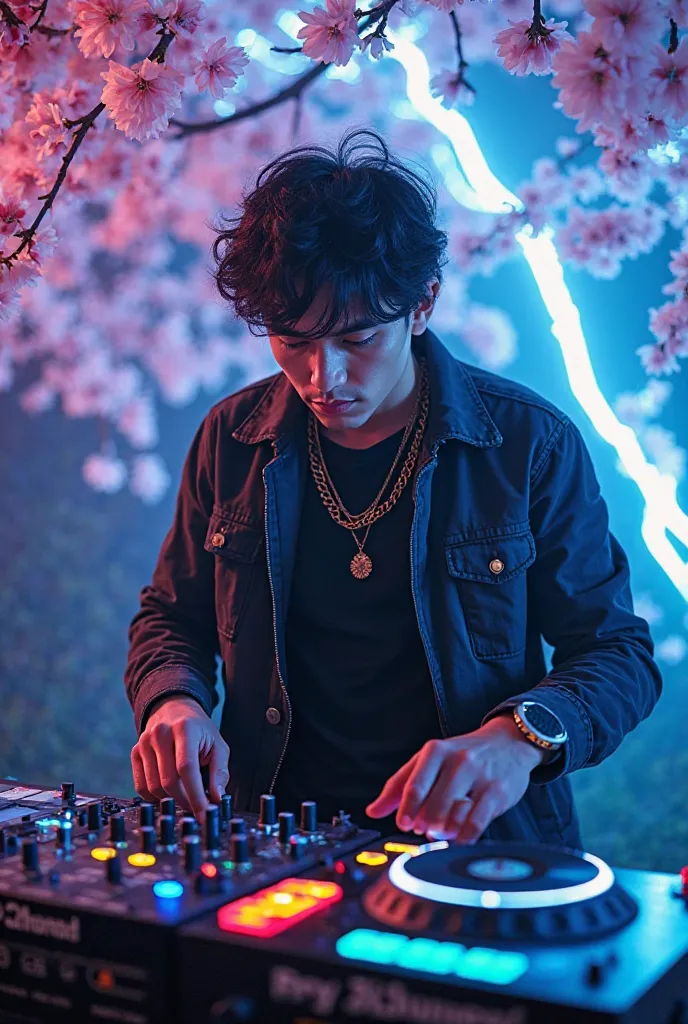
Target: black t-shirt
<point>358,679</point>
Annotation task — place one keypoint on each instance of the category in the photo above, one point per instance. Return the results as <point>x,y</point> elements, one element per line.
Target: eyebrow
<point>359,325</point>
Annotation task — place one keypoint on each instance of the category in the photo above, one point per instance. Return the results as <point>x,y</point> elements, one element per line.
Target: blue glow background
<point>72,562</point>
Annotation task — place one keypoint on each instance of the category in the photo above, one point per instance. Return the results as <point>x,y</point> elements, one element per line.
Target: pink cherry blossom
<point>220,67</point>
<point>669,97</point>
<point>591,82</point>
<point>46,117</point>
<point>104,473</point>
<point>669,325</point>
<point>105,24</point>
<point>12,210</point>
<point>627,177</point>
<point>149,479</point>
<point>586,184</point>
<point>376,45</point>
<point>183,16</point>
<point>451,89</point>
<point>625,26</point>
<point>11,33</point>
<point>527,49</point>
<point>330,35</point>
<point>490,335</point>
<point>657,359</point>
<point>142,98</point>
<point>678,10</point>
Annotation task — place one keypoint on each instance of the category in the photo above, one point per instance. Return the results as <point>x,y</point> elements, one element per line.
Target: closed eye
<point>347,341</point>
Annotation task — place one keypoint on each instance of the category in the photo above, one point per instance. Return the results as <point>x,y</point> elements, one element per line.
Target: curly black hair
<point>364,224</point>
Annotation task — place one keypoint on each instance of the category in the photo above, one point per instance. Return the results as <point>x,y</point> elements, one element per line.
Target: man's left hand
<point>454,788</point>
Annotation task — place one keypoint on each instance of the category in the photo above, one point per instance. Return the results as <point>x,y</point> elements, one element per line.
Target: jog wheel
<point>502,892</point>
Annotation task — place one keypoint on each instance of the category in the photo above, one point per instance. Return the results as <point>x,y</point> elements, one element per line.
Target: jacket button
<point>217,540</point>
<point>496,566</point>
<point>273,716</point>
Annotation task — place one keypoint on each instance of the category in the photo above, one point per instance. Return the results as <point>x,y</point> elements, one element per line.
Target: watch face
<point>543,721</point>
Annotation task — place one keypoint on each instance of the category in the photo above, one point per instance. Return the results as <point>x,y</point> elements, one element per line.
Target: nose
<point>328,369</point>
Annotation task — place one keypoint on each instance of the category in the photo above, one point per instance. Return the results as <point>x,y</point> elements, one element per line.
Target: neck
<point>390,417</point>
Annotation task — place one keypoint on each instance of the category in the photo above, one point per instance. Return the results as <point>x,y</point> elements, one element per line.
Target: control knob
<point>117,829</point>
<point>146,816</point>
<point>166,826</point>
<point>30,854</point>
<point>308,816</point>
<point>268,815</point>
<point>286,826</point>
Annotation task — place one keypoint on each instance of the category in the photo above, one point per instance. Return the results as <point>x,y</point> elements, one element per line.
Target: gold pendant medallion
<point>361,565</point>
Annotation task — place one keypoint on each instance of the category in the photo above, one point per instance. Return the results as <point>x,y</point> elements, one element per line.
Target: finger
<point>150,767</point>
<point>218,776</point>
<point>454,781</point>
<point>487,807</point>
<point>391,792</point>
<point>451,826</point>
<point>420,782</point>
<point>189,770</point>
<point>163,742</point>
<point>139,776</point>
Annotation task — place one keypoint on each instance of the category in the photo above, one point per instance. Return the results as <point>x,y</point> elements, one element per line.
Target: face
<point>349,378</point>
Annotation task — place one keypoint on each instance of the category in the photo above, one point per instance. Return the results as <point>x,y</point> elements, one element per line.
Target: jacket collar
<point>456,409</point>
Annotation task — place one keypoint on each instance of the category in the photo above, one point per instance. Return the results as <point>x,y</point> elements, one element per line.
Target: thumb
<point>218,774</point>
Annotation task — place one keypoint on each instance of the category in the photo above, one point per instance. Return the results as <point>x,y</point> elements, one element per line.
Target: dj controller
<point>118,910</point>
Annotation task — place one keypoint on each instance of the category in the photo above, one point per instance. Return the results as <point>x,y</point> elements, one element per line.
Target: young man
<point>375,541</point>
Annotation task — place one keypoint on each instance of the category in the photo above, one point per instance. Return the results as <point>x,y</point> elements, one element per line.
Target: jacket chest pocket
<point>238,547</point>
<point>491,578</point>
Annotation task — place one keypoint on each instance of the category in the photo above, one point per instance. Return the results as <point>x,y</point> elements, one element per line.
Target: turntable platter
<point>501,891</point>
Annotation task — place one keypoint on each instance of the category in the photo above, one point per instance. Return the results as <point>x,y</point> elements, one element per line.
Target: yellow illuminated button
<point>103,853</point>
<point>141,860</point>
<point>371,858</point>
<point>402,848</point>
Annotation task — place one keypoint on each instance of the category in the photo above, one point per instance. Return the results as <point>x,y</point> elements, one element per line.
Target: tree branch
<point>84,123</point>
<point>291,92</point>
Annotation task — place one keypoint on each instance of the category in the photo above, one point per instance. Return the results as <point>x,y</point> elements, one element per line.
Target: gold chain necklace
<point>361,563</point>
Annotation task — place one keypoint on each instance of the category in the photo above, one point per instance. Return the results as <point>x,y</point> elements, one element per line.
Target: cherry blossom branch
<point>10,17</point>
<point>673,38</point>
<point>460,78</point>
<point>43,8</point>
<point>84,123</point>
<point>293,91</point>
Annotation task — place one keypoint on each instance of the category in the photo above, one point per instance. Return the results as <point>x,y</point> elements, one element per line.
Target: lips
<point>334,405</point>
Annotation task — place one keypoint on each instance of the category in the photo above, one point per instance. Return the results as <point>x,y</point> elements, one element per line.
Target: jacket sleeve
<point>173,637</point>
<point>604,680</point>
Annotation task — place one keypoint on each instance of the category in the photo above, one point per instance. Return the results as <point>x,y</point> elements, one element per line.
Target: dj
<point>375,541</point>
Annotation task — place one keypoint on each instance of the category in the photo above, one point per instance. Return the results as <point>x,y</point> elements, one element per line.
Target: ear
<point>422,314</point>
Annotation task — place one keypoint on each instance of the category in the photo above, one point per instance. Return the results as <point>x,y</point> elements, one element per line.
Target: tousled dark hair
<point>362,224</point>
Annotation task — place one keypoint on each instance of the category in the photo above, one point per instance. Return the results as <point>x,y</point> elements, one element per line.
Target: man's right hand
<point>178,738</point>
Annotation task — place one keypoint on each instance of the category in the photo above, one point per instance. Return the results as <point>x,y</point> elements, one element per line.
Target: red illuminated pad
<point>273,910</point>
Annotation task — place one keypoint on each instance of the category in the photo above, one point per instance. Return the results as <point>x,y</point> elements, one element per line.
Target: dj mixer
<point>117,910</point>
<point>93,889</point>
<point>437,933</point>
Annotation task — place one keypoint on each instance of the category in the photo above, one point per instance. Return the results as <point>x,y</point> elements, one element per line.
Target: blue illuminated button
<point>168,889</point>
<point>375,947</point>
<point>494,966</point>
<point>429,955</point>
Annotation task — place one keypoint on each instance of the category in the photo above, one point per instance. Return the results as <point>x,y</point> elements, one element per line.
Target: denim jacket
<point>502,474</point>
